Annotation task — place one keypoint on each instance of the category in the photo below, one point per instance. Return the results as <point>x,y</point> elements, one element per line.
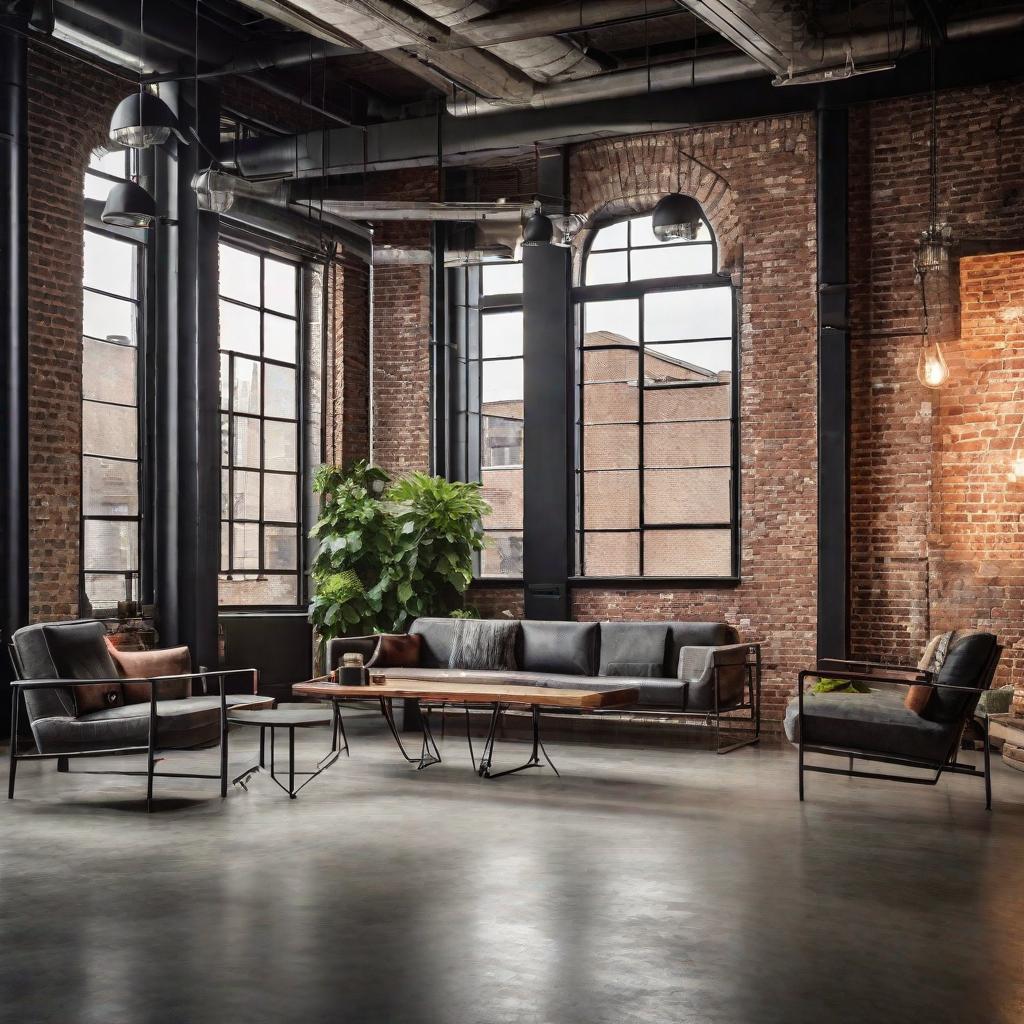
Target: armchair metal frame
<point>898,675</point>
<point>19,686</point>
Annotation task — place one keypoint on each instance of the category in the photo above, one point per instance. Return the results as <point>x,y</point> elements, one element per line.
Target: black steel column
<point>188,421</point>
<point>833,384</point>
<point>548,485</point>
<point>14,339</point>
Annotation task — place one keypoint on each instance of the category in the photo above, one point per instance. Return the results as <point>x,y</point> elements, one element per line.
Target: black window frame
<point>630,289</point>
<point>137,581</point>
<point>229,467</point>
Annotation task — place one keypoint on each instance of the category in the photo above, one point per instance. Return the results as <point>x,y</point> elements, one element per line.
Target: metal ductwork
<point>660,78</point>
<point>374,210</point>
<point>392,256</point>
<point>543,58</point>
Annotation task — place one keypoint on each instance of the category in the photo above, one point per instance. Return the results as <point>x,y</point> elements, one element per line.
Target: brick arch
<point>628,177</point>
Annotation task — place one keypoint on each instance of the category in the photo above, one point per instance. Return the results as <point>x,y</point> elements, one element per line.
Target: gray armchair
<point>58,665</point>
<point>879,726</point>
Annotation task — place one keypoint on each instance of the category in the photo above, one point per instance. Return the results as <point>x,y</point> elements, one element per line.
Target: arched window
<point>656,409</point>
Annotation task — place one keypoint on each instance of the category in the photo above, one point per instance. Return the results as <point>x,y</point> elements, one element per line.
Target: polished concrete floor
<point>645,885</point>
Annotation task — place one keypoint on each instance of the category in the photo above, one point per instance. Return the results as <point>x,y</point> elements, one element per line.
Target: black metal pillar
<point>548,486</point>
<point>187,484</point>
<point>14,603</point>
<point>833,384</point>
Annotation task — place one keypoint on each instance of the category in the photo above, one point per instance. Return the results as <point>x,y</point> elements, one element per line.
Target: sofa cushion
<point>169,661</point>
<point>566,647</point>
<point>876,722</point>
<point>396,650</point>
<point>484,644</point>
<point>633,649</point>
<point>437,634</point>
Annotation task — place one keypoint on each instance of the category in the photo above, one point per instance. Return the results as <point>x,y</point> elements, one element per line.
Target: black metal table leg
<point>535,753</point>
<point>429,754</point>
<point>291,761</point>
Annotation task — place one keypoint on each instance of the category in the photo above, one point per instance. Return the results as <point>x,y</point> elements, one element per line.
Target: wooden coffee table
<point>467,692</point>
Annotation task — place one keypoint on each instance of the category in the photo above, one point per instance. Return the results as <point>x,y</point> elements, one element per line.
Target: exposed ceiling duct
<point>543,57</point>
<point>392,256</point>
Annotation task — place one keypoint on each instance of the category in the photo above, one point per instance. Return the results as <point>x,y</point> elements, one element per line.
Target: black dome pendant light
<point>538,229</point>
<point>129,205</point>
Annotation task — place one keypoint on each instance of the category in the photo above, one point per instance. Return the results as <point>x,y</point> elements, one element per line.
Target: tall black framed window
<point>261,450</point>
<point>112,346</point>
<point>657,438</point>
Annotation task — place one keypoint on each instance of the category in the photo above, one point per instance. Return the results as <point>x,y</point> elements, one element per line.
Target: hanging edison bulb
<point>932,370</point>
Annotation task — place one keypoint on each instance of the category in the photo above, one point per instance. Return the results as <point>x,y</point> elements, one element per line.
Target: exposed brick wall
<point>348,366</point>
<point>909,579</point>
<point>69,108</point>
<point>401,333</point>
<point>493,602</point>
<point>770,169</point>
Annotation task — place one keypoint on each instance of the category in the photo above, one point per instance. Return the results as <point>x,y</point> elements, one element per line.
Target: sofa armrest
<point>50,684</point>
<point>342,645</point>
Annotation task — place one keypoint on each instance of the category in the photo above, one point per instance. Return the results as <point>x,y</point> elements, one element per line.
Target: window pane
<point>282,446</point>
<point>279,284</point>
<point>112,161</point>
<point>279,498</point>
<point>606,268</point>
<point>501,440</point>
<point>246,496</point>
<point>104,317</point>
<point>239,329</point>
<point>281,547</point>
<point>503,491</point>
<point>109,488</point>
<point>671,261</point>
<point>615,446</point>
<point>611,554</point>
<point>225,555</point>
<point>109,264</point>
<point>246,441</point>
<point>698,361</point>
<point>501,334</point>
<point>503,381</point>
<point>693,313</point>
<point>103,591</point>
<point>109,430</point>
<point>687,496</point>
<point>687,552</point>
<point>108,372</point>
<point>246,391</point>
<point>503,555</point>
<point>611,403</point>
<point>681,445</point>
<point>280,338</point>
<point>613,321</point>
<point>611,500</point>
<point>224,440</point>
<point>247,546</point>
<point>501,279</point>
<point>97,188</point>
<point>641,233</point>
<point>279,399</point>
<point>614,236</point>
<point>611,364</point>
<point>110,545</point>
<point>264,590</point>
<point>688,403</point>
<point>239,275</point>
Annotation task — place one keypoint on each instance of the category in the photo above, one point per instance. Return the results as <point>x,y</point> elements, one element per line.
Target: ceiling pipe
<point>614,84</point>
<point>289,55</point>
<point>569,16</point>
<point>391,256</point>
<point>375,210</point>
<point>862,48</point>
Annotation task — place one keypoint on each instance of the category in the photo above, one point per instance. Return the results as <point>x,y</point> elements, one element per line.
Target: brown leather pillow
<point>145,664</point>
<point>98,697</point>
<point>396,650</point>
<point>917,697</point>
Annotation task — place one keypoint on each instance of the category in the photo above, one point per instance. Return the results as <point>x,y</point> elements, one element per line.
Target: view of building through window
<point>111,332</point>
<point>656,412</point>
<point>260,446</point>
<point>501,417</point>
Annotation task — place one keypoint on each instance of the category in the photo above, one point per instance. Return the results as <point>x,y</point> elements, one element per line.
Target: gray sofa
<point>54,661</point>
<point>721,676</point>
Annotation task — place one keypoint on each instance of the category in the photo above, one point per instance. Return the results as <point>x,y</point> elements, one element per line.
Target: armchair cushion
<point>876,722</point>
<point>171,661</point>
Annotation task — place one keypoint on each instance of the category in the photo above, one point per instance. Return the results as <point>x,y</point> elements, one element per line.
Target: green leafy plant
<point>826,685</point>
<point>391,552</point>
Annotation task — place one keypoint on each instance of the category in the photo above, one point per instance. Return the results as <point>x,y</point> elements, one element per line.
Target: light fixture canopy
<point>538,230</point>
<point>129,205</point>
<point>143,120</point>
<point>677,217</point>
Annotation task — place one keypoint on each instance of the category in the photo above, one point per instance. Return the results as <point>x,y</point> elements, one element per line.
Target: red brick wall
<point>909,579</point>
<point>69,108</point>
<point>768,221</point>
<point>347,374</point>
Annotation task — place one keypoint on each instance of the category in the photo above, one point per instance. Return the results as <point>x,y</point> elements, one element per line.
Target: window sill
<point>656,582</point>
<point>491,582</point>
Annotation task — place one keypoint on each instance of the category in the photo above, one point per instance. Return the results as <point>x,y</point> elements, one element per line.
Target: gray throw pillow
<point>484,644</point>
